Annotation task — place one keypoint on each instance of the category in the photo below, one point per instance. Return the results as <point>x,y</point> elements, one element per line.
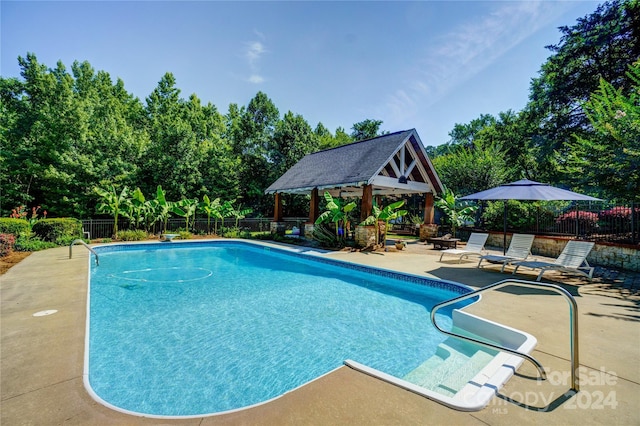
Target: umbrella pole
<point>504,233</point>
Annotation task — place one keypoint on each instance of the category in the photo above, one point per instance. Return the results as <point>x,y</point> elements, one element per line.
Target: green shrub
<point>7,241</point>
<point>185,235</point>
<point>132,235</point>
<point>15,227</point>
<point>521,215</point>
<point>60,231</point>
<point>32,243</point>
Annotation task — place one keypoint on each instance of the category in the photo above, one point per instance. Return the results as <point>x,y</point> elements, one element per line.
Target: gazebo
<point>391,164</point>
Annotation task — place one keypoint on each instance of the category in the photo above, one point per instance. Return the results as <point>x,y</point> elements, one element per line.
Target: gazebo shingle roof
<point>358,164</point>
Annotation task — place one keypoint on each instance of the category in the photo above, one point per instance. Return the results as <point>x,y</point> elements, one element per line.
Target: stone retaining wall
<point>603,254</point>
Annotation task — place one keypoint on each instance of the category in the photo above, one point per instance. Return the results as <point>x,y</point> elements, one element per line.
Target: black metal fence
<point>599,221</point>
<point>595,222</point>
<point>103,228</point>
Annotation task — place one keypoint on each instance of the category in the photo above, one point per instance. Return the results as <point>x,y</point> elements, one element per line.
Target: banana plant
<point>456,215</point>
<point>112,203</point>
<point>135,208</point>
<point>389,213</point>
<point>161,208</point>
<point>211,208</point>
<point>224,211</point>
<point>239,213</point>
<point>185,208</point>
<point>386,214</point>
<point>335,212</point>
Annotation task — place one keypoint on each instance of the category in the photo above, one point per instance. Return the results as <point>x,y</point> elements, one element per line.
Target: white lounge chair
<point>475,245</point>
<point>519,249</point>
<point>572,259</point>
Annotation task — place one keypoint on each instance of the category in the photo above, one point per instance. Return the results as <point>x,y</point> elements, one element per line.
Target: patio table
<point>441,243</point>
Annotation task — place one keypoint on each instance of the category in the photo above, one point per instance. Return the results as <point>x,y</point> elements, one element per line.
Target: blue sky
<point>424,65</point>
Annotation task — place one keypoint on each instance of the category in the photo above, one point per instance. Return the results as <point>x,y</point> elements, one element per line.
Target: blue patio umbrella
<point>526,190</point>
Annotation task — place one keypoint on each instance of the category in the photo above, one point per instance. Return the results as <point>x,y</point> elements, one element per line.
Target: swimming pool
<point>194,328</point>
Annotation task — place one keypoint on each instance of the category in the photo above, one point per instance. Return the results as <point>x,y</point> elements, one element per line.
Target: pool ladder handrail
<point>573,318</point>
<point>88,248</point>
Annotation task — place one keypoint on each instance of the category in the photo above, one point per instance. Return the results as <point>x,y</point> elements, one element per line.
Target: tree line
<point>65,132</point>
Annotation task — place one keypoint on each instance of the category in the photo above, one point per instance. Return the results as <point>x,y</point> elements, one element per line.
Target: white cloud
<point>466,50</point>
<point>254,50</point>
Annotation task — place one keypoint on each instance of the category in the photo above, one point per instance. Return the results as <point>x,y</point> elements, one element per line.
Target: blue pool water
<point>186,329</point>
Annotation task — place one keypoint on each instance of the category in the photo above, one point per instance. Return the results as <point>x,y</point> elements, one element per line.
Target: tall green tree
<point>471,169</point>
<point>175,154</point>
<point>600,45</point>
<point>609,157</point>
<point>252,138</point>
<point>366,129</point>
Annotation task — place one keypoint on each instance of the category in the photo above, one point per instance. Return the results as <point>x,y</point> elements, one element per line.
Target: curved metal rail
<point>573,317</point>
<point>88,248</point>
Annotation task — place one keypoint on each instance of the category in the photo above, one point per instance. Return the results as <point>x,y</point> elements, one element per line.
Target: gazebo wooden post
<point>314,212</point>
<point>428,208</point>
<point>277,225</point>
<point>428,229</point>
<point>366,235</point>
<point>367,202</point>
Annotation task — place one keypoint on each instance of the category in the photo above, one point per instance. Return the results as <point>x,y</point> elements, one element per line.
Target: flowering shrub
<point>620,213</point>
<point>7,241</point>
<point>20,212</point>
<point>587,221</point>
<point>617,219</point>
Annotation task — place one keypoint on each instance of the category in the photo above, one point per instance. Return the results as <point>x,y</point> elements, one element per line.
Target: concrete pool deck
<point>41,358</point>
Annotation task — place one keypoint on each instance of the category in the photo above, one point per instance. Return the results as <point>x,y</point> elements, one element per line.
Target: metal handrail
<point>573,317</point>
<point>87,246</point>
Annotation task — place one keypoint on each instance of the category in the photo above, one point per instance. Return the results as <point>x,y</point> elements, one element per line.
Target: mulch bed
<point>11,259</point>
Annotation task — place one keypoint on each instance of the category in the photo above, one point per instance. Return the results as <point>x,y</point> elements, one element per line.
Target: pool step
<point>453,365</point>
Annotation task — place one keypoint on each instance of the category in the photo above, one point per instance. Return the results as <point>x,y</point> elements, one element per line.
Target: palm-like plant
<point>112,203</point>
<point>161,208</point>
<point>456,215</point>
<point>386,214</point>
<point>335,212</point>
<point>239,213</point>
<point>389,213</point>
<point>134,208</point>
<point>211,208</point>
<point>185,208</point>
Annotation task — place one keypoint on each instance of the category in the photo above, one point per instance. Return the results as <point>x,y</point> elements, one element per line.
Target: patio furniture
<point>519,249</point>
<point>475,245</point>
<point>572,259</point>
<point>442,242</point>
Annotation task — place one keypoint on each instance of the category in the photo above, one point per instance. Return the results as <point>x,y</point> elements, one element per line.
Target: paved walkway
<point>41,361</point>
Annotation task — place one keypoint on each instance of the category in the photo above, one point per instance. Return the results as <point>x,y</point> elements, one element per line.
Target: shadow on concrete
<point>551,406</point>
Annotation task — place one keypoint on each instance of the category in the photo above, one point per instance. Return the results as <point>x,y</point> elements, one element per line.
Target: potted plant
<point>400,244</point>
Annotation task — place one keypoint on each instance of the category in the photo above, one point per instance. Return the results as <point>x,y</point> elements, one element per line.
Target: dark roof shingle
<point>350,164</point>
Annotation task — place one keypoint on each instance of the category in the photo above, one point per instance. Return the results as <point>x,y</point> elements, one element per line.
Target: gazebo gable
<point>407,170</point>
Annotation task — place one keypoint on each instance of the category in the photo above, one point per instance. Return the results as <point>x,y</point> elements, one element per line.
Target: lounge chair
<point>572,259</point>
<point>519,249</point>
<point>475,245</point>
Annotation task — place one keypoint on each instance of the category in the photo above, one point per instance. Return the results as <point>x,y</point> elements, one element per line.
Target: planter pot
<point>428,230</point>
<point>399,246</point>
<point>365,235</point>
